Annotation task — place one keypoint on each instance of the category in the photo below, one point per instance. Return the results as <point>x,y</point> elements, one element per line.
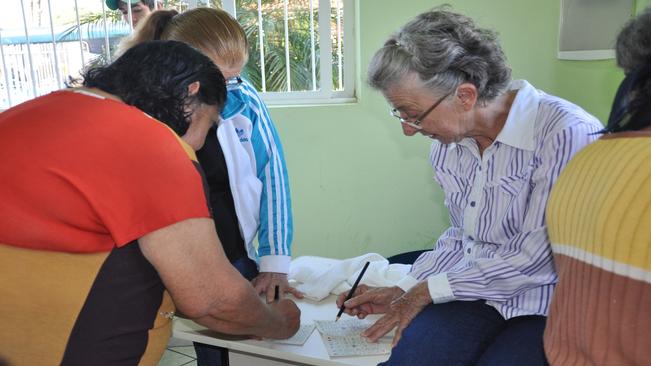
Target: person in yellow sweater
<point>599,222</point>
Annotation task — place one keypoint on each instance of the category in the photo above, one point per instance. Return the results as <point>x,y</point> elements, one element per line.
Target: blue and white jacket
<point>258,178</point>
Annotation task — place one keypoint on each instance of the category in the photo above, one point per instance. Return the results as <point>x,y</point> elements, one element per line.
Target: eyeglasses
<point>419,119</point>
<point>233,82</point>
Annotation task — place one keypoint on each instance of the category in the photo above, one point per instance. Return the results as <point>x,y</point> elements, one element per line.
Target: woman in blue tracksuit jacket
<point>257,177</point>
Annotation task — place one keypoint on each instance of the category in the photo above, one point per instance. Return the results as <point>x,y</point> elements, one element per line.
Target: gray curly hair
<point>633,46</point>
<point>444,49</point>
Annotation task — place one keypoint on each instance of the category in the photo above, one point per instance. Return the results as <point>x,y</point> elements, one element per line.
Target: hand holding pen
<point>351,292</point>
<point>286,311</point>
<point>369,300</point>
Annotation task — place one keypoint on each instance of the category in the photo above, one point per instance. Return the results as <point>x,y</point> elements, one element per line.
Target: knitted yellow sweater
<point>599,220</point>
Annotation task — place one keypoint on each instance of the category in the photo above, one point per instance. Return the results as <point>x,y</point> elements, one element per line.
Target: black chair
<point>406,257</point>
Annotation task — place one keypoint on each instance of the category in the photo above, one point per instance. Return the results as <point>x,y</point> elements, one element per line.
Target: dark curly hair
<point>631,108</point>
<point>445,49</point>
<point>154,77</point>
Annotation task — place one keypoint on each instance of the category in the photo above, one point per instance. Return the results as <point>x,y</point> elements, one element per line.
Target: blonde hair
<point>213,31</point>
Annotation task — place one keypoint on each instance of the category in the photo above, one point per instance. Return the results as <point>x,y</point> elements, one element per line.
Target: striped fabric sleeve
<point>276,225</point>
<point>525,261</point>
<point>447,253</point>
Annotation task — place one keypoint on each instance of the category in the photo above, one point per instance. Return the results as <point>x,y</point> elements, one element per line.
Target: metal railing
<point>39,59</point>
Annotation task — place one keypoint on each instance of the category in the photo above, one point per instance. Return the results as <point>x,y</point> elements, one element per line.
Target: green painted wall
<point>359,185</point>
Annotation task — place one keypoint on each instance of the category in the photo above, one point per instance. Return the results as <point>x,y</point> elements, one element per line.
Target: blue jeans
<point>469,333</point>
<point>208,355</point>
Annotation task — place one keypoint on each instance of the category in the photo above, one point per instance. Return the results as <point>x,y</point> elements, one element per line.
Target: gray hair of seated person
<point>633,46</point>
<point>631,109</point>
<point>444,49</point>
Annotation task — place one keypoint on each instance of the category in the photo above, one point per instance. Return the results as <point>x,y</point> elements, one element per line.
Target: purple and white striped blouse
<point>497,247</point>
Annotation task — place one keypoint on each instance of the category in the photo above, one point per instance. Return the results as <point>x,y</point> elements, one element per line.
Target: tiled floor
<point>179,353</point>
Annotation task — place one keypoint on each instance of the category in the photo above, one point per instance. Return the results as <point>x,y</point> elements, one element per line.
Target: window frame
<point>325,95</point>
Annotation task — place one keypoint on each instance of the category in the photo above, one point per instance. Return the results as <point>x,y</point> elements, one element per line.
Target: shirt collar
<point>235,101</point>
<point>518,130</point>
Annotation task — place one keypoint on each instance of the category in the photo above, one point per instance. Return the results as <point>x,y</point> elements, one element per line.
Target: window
<point>44,43</point>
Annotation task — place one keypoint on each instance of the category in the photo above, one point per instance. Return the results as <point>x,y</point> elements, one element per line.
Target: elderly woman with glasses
<point>480,297</point>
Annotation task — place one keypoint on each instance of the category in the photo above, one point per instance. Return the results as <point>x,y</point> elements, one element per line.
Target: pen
<point>352,290</point>
<point>276,294</point>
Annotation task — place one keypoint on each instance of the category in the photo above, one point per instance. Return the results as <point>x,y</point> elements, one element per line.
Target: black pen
<point>276,294</point>
<point>352,290</point>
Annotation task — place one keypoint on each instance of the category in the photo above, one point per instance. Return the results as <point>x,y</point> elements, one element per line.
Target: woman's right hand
<point>369,300</point>
<point>288,316</point>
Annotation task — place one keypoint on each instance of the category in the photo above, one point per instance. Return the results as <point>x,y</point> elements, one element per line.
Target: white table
<point>252,352</point>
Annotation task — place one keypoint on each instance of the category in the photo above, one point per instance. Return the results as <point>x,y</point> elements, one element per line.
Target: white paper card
<point>300,337</point>
<point>343,338</point>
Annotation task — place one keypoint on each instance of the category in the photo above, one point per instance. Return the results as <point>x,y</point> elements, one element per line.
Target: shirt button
<point>470,237</point>
<point>468,250</point>
<point>472,204</point>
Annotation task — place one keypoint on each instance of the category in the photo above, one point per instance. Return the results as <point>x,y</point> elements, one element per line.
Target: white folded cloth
<point>319,276</point>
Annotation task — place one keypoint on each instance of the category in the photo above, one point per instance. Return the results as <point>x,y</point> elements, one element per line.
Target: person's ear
<point>193,88</point>
<point>467,95</point>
